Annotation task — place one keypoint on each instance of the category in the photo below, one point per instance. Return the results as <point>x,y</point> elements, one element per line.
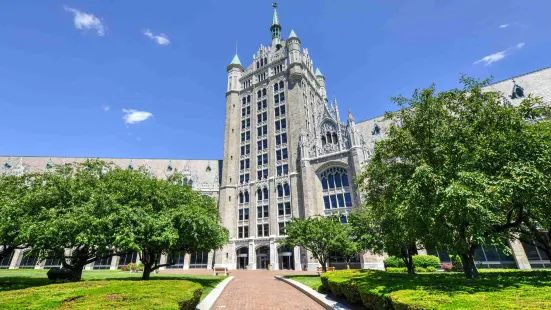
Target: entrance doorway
<point>242,258</point>
<point>262,257</point>
<point>286,259</point>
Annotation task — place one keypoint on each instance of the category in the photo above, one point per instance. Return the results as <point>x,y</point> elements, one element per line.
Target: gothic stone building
<point>287,153</point>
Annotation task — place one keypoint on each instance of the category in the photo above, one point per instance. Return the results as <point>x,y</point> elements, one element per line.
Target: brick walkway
<point>258,289</point>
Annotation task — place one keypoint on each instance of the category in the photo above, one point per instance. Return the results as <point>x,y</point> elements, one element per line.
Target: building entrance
<point>242,258</point>
<point>286,259</point>
<point>262,257</point>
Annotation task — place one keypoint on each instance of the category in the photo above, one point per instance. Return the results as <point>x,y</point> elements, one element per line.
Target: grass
<point>99,290</point>
<point>504,289</point>
<point>312,281</point>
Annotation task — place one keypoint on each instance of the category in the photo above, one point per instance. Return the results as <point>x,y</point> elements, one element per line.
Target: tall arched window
<point>336,188</point>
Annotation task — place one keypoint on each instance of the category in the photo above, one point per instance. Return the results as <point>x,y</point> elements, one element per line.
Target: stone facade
<point>287,153</point>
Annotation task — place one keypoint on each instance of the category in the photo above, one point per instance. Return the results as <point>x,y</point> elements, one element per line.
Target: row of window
<point>283,190</point>
<point>245,136</point>
<point>337,201</point>
<point>263,230</point>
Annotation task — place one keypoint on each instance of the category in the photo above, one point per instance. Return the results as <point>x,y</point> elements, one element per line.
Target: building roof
<point>318,72</point>
<point>275,19</point>
<point>293,34</point>
<point>235,60</point>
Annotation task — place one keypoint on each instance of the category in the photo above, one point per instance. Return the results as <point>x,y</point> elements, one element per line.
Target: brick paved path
<point>258,289</point>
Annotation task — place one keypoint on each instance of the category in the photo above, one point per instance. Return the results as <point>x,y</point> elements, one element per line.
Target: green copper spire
<point>235,60</point>
<point>275,28</point>
<point>318,72</point>
<point>275,19</point>
<point>293,34</point>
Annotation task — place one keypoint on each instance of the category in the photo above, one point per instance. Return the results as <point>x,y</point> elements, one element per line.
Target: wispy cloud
<point>86,21</point>
<point>132,116</point>
<point>161,38</point>
<point>495,57</point>
<point>106,108</point>
<point>504,26</point>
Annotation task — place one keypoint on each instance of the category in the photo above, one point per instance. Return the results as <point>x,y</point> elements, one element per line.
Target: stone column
<point>187,259</point>
<point>273,255</point>
<point>115,263</point>
<point>162,261</point>
<point>296,254</point>
<point>209,260</point>
<point>422,251</point>
<point>519,254</point>
<point>16,259</point>
<point>252,255</point>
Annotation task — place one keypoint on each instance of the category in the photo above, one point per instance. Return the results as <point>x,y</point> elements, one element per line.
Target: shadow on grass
<point>22,282</point>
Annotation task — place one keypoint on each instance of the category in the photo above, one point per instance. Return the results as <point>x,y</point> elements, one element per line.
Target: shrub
<point>393,261</point>
<point>420,269</point>
<point>447,267</point>
<point>191,303</point>
<point>456,263</point>
<point>396,269</point>
<point>124,268</point>
<point>431,269</point>
<point>131,267</point>
<point>139,267</point>
<point>426,261</point>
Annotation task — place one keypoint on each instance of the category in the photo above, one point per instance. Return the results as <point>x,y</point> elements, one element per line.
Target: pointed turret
<point>337,108</point>
<point>235,60</point>
<point>275,28</point>
<point>235,71</point>
<point>293,35</point>
<point>351,120</point>
<point>318,72</point>
<point>321,79</point>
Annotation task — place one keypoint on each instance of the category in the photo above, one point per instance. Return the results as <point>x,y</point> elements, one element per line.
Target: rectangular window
<point>262,211</point>
<point>282,228</point>
<point>333,201</point>
<point>262,174</point>
<point>263,230</point>
<point>340,198</point>
<point>243,214</point>
<point>243,232</point>
<point>265,159</point>
<point>284,153</point>
<point>282,97</point>
<point>348,199</point>
<point>276,99</point>
<point>264,92</point>
<point>284,208</point>
<point>326,202</point>
<point>282,170</point>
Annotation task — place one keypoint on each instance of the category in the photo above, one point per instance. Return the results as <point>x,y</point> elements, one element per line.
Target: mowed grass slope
<point>30,289</point>
<point>495,289</point>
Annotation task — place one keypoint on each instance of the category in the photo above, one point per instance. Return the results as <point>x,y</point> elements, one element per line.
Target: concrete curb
<point>211,298</point>
<point>321,299</point>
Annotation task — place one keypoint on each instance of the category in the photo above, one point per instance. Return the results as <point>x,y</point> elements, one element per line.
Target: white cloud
<point>132,116</point>
<point>504,26</point>
<point>495,57</point>
<point>106,108</point>
<point>161,38</point>
<point>85,21</point>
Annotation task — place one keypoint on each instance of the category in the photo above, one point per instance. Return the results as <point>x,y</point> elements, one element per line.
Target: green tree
<point>75,217</point>
<point>316,234</point>
<point>166,216</point>
<point>452,162</point>
<point>345,244</point>
<point>14,212</point>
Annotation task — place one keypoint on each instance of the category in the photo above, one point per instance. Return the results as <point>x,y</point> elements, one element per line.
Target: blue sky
<point>71,70</point>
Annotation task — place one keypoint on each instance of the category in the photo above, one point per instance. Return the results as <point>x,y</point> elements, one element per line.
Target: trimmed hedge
<point>426,261</point>
<point>395,262</point>
<point>510,289</point>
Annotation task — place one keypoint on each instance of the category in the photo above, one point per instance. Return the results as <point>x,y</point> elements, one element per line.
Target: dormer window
<point>169,168</point>
<point>376,129</point>
<point>518,92</point>
<point>8,164</point>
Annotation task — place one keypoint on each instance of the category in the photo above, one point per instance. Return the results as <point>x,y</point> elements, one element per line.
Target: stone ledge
<point>321,299</point>
<point>211,298</point>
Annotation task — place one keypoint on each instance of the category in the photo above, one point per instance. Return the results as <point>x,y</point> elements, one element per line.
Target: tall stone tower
<point>280,135</point>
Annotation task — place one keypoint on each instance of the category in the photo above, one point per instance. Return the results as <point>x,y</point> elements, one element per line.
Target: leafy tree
<point>316,234</point>
<point>14,212</point>
<point>76,218</point>
<point>453,166</point>
<point>345,244</point>
<point>166,217</point>
<point>381,230</point>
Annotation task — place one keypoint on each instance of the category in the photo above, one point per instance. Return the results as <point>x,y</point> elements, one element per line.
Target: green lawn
<point>312,281</point>
<point>503,289</point>
<point>100,290</point>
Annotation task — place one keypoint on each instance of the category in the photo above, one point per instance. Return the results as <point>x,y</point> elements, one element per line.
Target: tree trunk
<point>469,265</point>
<point>407,257</point>
<point>146,271</point>
<point>323,266</point>
<point>6,251</point>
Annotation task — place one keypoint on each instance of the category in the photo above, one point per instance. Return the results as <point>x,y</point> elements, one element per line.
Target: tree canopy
<point>459,168</point>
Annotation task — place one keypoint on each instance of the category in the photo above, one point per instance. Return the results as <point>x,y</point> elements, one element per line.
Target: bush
<point>131,267</point>
<point>495,289</point>
<point>124,268</point>
<point>394,261</point>
<point>396,269</point>
<point>431,269</point>
<point>426,261</point>
<point>139,267</point>
<point>456,263</point>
